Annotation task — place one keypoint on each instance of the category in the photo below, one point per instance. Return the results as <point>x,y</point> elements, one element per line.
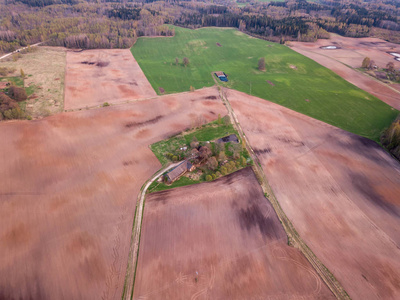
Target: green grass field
<point>299,83</point>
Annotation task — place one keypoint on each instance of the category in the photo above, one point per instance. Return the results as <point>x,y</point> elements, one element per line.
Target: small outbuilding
<point>221,76</point>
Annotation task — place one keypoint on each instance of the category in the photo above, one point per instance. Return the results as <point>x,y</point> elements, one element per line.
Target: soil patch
<point>219,45</point>
<point>162,91</point>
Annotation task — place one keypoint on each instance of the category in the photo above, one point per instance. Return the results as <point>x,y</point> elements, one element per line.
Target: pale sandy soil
<point>351,55</point>
<point>68,189</point>
<point>341,192</point>
<point>94,77</point>
<point>228,233</point>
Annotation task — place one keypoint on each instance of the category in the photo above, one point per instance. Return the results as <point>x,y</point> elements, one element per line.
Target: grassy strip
<point>290,79</point>
<point>159,186</point>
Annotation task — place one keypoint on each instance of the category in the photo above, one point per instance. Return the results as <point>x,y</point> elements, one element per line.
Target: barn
<point>178,171</point>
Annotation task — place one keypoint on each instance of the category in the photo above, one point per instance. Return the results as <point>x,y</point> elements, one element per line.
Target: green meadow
<point>290,79</point>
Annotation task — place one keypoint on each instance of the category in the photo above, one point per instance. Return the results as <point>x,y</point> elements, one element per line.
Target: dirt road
<point>18,50</point>
<point>137,226</point>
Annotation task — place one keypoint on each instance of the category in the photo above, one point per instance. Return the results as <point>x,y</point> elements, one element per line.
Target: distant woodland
<point>117,24</point>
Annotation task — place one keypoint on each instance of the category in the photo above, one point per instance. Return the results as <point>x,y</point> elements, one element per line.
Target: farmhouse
<point>179,170</point>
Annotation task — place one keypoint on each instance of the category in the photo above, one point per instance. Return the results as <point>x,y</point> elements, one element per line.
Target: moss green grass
<point>299,83</point>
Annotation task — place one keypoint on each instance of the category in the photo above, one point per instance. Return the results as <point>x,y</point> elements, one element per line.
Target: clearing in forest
<point>330,98</point>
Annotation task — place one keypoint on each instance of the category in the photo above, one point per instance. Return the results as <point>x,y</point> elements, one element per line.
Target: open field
<point>69,185</point>
<point>229,234</point>
<point>297,82</point>
<point>351,54</point>
<point>94,77</point>
<point>339,190</point>
<point>44,69</point>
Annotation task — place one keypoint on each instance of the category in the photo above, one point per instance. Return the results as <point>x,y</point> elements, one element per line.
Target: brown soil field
<point>227,232</point>
<point>68,189</point>
<point>340,191</point>
<point>44,69</point>
<point>94,77</point>
<point>352,53</point>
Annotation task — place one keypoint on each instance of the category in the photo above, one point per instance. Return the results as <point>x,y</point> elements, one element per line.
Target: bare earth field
<point>68,189</point>
<point>229,234</point>
<point>94,77</point>
<point>351,53</point>
<point>341,192</point>
<point>44,68</point>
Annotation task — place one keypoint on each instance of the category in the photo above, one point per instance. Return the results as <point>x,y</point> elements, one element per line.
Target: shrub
<point>5,71</point>
<point>218,174</point>
<point>224,171</point>
<point>105,104</point>
<point>208,177</point>
<point>227,120</point>
<point>17,93</point>
<point>175,158</point>
<point>214,176</point>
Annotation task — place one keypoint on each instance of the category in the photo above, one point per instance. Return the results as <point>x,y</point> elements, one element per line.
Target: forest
<point>118,23</point>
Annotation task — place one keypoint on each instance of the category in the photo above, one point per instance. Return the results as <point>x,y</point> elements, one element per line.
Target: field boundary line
<point>293,237</point>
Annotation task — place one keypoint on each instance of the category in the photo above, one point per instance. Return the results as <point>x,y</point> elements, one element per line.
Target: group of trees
<point>185,61</point>
<point>391,138</point>
<point>391,73</point>
<point>9,107</point>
